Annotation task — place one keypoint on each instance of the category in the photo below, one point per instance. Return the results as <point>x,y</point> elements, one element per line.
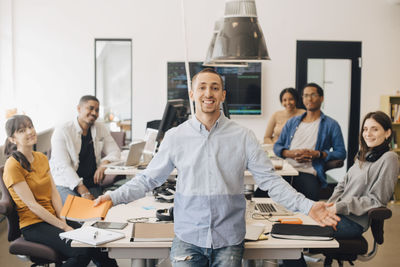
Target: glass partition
<point>113,83</point>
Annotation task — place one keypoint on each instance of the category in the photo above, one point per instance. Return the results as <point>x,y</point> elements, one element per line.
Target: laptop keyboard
<point>266,207</point>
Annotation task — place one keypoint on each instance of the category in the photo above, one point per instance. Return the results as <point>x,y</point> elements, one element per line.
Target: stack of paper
<point>91,235</point>
<point>153,232</point>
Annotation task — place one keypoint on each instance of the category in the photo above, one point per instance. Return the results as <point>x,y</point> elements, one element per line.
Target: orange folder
<point>81,209</point>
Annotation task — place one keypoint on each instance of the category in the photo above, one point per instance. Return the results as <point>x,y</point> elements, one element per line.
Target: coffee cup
<point>277,162</point>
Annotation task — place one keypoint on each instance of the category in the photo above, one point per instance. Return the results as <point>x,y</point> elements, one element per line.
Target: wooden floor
<point>388,253</point>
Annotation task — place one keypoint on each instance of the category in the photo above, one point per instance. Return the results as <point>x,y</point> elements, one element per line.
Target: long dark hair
<point>386,123</point>
<point>13,124</point>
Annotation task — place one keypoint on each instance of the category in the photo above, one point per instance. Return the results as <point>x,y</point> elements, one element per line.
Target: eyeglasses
<point>313,95</point>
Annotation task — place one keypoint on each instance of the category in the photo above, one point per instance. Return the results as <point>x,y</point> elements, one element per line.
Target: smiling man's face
<point>88,112</point>
<point>208,94</point>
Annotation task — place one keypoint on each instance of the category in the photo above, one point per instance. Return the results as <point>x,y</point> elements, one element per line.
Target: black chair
<point>38,254</point>
<point>325,193</point>
<point>357,249</point>
<point>154,124</point>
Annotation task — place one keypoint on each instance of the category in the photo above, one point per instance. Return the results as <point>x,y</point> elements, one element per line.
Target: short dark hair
<point>320,91</point>
<point>87,98</point>
<point>208,70</point>
<point>386,123</point>
<point>291,91</point>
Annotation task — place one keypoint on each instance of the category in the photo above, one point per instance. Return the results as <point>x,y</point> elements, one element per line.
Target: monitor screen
<point>242,85</point>
<point>175,112</point>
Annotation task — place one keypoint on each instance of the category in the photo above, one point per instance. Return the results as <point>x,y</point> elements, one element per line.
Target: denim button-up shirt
<point>330,141</point>
<point>209,204</point>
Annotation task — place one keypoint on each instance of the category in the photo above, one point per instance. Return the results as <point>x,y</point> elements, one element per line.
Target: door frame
<point>335,50</point>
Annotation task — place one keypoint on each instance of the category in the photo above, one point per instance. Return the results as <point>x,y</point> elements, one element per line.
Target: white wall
<point>54,48</point>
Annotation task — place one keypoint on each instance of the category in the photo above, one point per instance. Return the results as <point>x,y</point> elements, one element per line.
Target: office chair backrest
<point>119,138</point>
<point>333,164</point>
<point>154,124</point>
<point>2,156</point>
<point>325,193</point>
<point>7,208</point>
<point>44,142</point>
<point>376,217</point>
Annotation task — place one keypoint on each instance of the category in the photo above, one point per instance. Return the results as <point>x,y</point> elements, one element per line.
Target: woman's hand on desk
<point>324,214</point>
<point>101,199</point>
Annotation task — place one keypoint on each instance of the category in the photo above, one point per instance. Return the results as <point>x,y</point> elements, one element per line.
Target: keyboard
<point>272,209</point>
<point>266,207</point>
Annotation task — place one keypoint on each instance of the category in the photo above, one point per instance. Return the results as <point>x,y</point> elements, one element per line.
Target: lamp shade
<point>208,62</point>
<point>240,37</point>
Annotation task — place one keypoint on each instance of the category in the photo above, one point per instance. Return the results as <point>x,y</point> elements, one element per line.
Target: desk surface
<point>271,248</point>
<point>287,170</point>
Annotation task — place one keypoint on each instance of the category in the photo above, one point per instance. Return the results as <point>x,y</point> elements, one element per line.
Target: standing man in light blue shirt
<point>211,154</point>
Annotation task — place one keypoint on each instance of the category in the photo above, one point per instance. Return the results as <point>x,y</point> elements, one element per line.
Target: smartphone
<point>110,225</point>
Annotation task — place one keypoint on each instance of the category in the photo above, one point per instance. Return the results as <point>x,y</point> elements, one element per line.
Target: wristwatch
<point>85,194</point>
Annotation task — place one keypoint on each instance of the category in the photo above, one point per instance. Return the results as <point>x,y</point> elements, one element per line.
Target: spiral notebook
<point>92,235</point>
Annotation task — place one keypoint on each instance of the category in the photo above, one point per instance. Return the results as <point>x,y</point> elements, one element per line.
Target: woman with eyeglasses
<point>288,98</point>
<point>28,179</point>
<point>368,184</point>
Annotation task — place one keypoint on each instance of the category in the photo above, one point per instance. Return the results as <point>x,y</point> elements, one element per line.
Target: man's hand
<point>301,155</point>
<point>324,214</point>
<point>101,199</point>
<point>99,174</point>
<point>84,191</point>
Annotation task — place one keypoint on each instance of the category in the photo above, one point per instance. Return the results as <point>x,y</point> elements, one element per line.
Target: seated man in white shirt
<point>76,163</point>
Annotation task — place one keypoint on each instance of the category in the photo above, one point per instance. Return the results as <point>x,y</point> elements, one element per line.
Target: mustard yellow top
<point>38,180</point>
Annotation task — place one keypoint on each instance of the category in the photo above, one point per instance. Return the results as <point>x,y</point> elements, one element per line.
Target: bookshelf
<point>390,104</point>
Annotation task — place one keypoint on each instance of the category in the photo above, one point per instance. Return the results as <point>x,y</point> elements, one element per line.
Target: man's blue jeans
<point>187,255</point>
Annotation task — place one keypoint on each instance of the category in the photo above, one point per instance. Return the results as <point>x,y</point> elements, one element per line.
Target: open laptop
<point>272,209</point>
<point>150,146</point>
<point>133,158</point>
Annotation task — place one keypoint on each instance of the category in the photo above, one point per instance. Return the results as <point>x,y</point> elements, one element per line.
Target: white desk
<point>266,249</point>
<point>287,170</point>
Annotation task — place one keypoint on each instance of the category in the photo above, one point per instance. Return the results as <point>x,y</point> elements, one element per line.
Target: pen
<point>95,234</point>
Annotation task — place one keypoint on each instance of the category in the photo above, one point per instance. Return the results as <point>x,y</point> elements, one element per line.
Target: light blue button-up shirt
<point>209,205</point>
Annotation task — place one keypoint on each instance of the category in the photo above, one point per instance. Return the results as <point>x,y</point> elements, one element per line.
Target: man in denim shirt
<point>308,141</point>
<point>211,153</point>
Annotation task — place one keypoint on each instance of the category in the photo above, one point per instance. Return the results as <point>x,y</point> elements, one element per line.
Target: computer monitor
<point>176,111</point>
<point>243,85</point>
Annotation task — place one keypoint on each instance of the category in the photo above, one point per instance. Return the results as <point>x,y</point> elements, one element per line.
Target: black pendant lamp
<point>208,62</point>
<point>240,38</point>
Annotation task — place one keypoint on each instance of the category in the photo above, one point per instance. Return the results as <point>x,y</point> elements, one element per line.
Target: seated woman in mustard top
<point>28,179</point>
<point>288,98</point>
